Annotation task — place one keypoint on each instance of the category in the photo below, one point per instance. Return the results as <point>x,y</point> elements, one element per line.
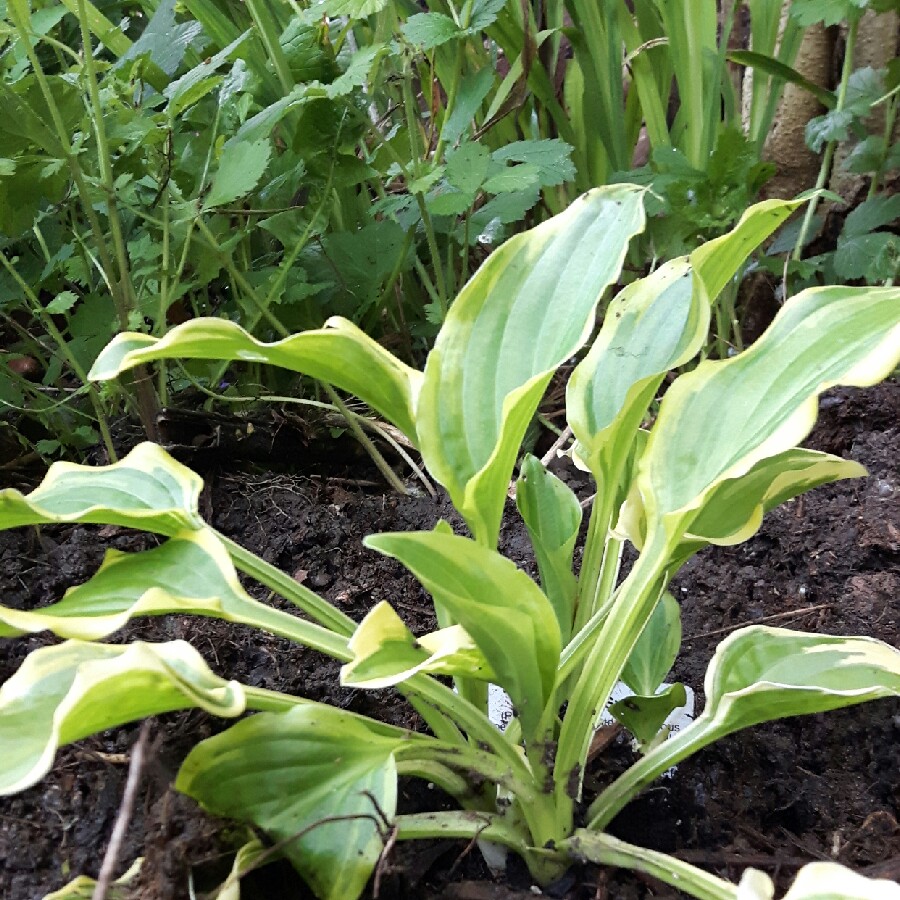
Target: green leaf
<point>193,85</point>
<point>872,214</point>
<point>552,515</point>
<point>240,169</point>
<point>147,490</point>
<point>832,881</point>
<point>317,778</point>
<point>82,888</point>
<point>63,693</point>
<point>552,158</point>
<point>339,353</point>
<point>429,30</point>
<point>829,12</point>
<point>717,422</point>
<point>760,674</point>
<point>645,715</point>
<point>527,309</point>
<point>513,178</point>
<point>510,620</point>
<point>473,89</point>
<point>62,302</point>
<point>385,652</point>
<point>833,126</point>
<point>654,325</point>
<point>874,257</point>
<point>656,649</point>
<point>484,13</point>
<point>467,168</point>
<point>164,41</point>
<point>189,574</point>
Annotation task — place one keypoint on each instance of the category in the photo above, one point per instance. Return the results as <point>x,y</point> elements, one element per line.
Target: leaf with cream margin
<point>250,856</point>
<point>507,615</point>
<point>719,421</point>
<point>290,774</point>
<point>652,326</point>
<point>734,509</point>
<point>759,674</point>
<point>552,515</point>
<point>63,693</point>
<point>527,309</point>
<point>832,881</point>
<point>339,354</point>
<point>82,888</point>
<point>385,652</point>
<point>147,489</point>
<point>191,573</point>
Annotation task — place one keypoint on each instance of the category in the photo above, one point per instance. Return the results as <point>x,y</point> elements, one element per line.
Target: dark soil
<point>775,797</point>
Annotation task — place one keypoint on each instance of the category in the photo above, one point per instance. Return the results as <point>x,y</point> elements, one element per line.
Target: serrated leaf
<point>874,213</point>
<point>147,490</point>
<point>63,693</point>
<point>509,618</point>
<point>874,257</point>
<point>526,310</point>
<point>513,178</point>
<point>865,86</point>
<point>448,203</point>
<point>386,653</point>
<point>339,353</point>
<point>833,126</point>
<point>484,13</point>
<point>429,30</point>
<point>240,169</point>
<point>62,302</point>
<point>829,12</point>
<point>552,158</point>
<point>191,86</point>
<point>467,168</point>
<point>290,773</point>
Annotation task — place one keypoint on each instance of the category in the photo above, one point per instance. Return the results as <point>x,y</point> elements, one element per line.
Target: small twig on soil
<point>104,879</point>
<point>782,615</point>
<point>381,865</point>
<point>558,444</point>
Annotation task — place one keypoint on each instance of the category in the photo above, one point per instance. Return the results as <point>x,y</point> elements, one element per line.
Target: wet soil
<point>775,797</point>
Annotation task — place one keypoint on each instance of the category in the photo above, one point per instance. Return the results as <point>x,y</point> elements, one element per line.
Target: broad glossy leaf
<point>526,310</point>
<point>654,325</point>
<point>656,649</point>
<point>832,881</point>
<point>505,612</point>
<point>290,773</point>
<point>147,489</point>
<point>719,421</point>
<point>385,652</point>
<point>191,573</point>
<point>734,509</point>
<point>339,353</point>
<point>63,693</point>
<point>552,515</point>
<point>759,674</point>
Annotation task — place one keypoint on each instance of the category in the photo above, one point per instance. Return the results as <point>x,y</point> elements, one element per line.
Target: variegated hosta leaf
<point>191,573</point>
<point>82,888</point>
<point>315,777</point>
<point>552,515</point>
<point>719,421</point>
<point>147,489</point>
<point>654,325</point>
<point>247,857</point>
<point>339,353</point>
<point>63,693</point>
<point>759,674</point>
<point>831,881</point>
<point>385,652</point>
<point>506,613</point>
<point>526,310</point>
<point>733,511</point>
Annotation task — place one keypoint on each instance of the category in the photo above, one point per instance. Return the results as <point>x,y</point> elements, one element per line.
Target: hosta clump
<point>722,451</point>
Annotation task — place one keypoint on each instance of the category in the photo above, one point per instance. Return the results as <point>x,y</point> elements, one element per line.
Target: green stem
<point>606,850</point>
<point>460,824</point>
<point>825,167</point>
<point>264,700</point>
<point>273,578</point>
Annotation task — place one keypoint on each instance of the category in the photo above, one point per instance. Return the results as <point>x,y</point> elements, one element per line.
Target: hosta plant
<point>321,781</point>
